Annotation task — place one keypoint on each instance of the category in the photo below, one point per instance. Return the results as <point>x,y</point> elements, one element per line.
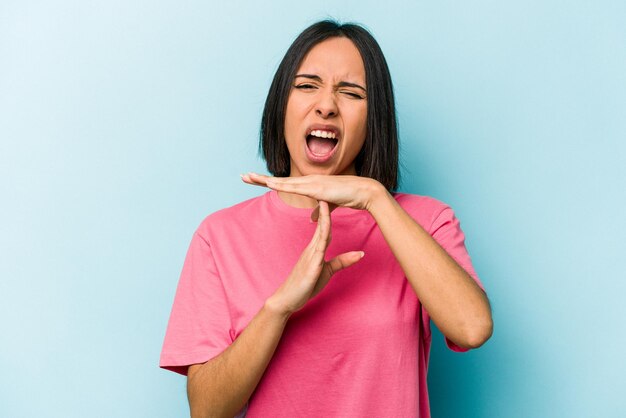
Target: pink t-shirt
<point>359,348</point>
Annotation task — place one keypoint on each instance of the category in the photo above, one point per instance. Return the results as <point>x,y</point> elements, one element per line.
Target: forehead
<point>335,58</point>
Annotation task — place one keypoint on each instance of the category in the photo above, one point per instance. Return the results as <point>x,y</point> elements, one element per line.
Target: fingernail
<point>362,254</point>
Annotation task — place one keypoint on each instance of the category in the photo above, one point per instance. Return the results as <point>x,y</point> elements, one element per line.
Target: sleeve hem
<point>452,346</point>
<point>179,362</point>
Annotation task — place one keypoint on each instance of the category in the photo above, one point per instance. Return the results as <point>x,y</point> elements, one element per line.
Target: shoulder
<point>234,214</point>
<point>424,209</point>
<point>419,201</point>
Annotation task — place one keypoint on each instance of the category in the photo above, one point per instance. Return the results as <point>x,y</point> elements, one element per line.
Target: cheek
<point>357,141</point>
<point>360,125</point>
<point>290,125</point>
<point>362,129</point>
<point>293,117</point>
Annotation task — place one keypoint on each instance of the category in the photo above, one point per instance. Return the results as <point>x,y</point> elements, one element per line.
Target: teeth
<point>323,134</point>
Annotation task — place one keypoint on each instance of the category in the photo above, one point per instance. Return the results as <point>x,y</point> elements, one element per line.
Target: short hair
<point>378,158</point>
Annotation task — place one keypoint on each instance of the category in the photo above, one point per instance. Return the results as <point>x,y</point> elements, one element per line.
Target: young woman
<point>271,316</point>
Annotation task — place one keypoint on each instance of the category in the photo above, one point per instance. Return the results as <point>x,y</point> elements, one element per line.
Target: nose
<point>326,106</point>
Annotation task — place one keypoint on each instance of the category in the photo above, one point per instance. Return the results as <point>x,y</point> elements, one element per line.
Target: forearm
<point>454,301</point>
<point>223,385</point>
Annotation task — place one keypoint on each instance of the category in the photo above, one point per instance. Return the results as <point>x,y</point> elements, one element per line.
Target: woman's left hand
<point>349,191</point>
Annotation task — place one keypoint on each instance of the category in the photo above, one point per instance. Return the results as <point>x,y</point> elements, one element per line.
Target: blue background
<point>122,124</point>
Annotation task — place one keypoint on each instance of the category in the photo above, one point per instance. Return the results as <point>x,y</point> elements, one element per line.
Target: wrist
<point>378,195</point>
<point>273,307</point>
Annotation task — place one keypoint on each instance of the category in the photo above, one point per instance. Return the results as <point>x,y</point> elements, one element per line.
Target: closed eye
<point>305,86</point>
<point>352,94</point>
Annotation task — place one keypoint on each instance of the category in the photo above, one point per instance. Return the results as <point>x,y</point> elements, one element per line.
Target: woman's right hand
<point>311,273</point>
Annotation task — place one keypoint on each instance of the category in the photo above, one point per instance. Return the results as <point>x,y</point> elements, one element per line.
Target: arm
<point>454,301</point>
<point>222,386</point>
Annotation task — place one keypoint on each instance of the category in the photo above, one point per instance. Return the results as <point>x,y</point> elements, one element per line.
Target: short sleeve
<point>446,230</point>
<point>199,325</point>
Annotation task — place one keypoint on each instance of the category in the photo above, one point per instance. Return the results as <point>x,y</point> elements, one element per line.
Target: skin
<point>223,385</point>
<point>329,89</point>
<point>459,308</point>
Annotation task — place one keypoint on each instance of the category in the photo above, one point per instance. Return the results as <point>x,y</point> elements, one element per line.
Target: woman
<point>261,321</point>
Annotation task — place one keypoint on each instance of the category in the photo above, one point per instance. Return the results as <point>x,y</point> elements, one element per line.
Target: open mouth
<point>321,143</point>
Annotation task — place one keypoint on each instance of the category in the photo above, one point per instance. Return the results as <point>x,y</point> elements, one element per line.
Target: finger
<point>248,180</point>
<point>344,260</point>
<point>295,181</point>
<point>318,241</point>
<point>323,226</point>
<point>302,185</point>
<point>253,180</point>
<point>257,179</point>
<point>316,212</point>
<point>261,178</point>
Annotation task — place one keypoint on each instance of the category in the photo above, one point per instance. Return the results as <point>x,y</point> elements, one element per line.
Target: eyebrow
<point>340,84</point>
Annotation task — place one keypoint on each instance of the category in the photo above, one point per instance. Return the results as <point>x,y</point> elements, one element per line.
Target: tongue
<point>321,146</point>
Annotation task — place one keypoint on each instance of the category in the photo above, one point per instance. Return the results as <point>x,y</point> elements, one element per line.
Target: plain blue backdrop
<point>123,124</point>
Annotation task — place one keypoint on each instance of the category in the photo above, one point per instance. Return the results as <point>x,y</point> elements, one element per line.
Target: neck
<point>297,201</point>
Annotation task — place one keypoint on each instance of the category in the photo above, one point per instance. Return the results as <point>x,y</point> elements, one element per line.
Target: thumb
<point>344,260</point>
<point>338,263</point>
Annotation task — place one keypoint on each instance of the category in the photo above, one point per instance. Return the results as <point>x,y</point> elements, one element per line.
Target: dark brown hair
<point>378,159</point>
